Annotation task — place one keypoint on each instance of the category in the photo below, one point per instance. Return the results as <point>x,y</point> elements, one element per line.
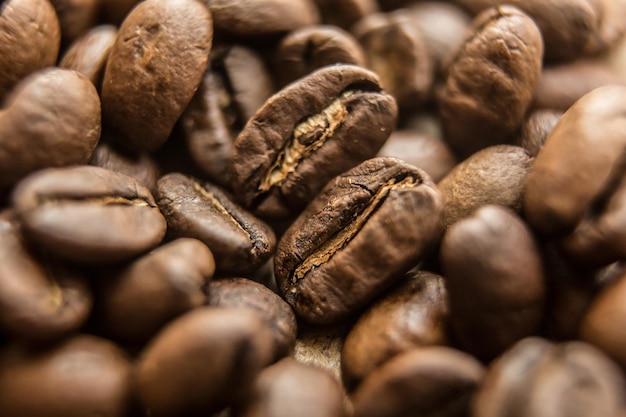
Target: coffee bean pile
<point>303,208</point>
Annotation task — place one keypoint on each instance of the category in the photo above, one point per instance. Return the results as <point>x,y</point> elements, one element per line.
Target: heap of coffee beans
<point>333,208</point>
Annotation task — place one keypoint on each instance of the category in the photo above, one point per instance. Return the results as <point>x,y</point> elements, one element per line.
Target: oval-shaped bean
<point>89,53</point>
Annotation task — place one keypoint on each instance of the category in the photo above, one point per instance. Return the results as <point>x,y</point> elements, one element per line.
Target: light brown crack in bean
<point>218,206</point>
<point>308,136</point>
<point>341,239</point>
<point>104,200</point>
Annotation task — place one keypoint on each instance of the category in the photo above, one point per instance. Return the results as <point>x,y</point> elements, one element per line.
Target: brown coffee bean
<point>494,175</point>
<point>30,38</point>
<point>75,17</point>
<point>567,26</point>
<point>289,388</point>
<point>330,262</point>
<point>81,376</point>
<point>235,87</point>
<point>396,51</point>
<point>603,323</point>
<point>89,53</point>
<point>154,69</point>
<point>140,166</point>
<point>137,301</point>
<point>344,13</point>
<point>240,242</point>
<point>580,163</point>
<point>201,362</point>
<point>309,48</point>
<point>88,214</point>
<point>261,18</point>
<point>39,300</point>
<point>414,314</point>
<point>306,134</point>
<point>320,346</point>
<point>428,381</point>
<point>492,255</point>
<point>612,27</point>
<point>560,86</point>
<point>536,129</point>
<point>540,379</point>
<point>491,81</point>
<point>250,295</point>
<point>42,125</point>
<point>423,150</point>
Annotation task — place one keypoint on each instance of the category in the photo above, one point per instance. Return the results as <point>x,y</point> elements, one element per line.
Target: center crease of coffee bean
<point>308,136</point>
<point>104,200</point>
<point>341,239</point>
<point>219,207</point>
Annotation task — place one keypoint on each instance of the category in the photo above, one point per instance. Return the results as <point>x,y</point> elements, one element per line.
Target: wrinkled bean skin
<point>567,26</point>
<point>31,46</point>
<point>173,378</point>
<point>577,164</point>
<point>80,376</point>
<point>429,381</point>
<point>304,136</point>
<point>175,274</point>
<point>41,122</point>
<point>329,263</point>
<point>38,301</point>
<point>414,314</point>
<point>154,68</point>
<point>88,214</point>
<point>491,80</point>
<point>493,256</point>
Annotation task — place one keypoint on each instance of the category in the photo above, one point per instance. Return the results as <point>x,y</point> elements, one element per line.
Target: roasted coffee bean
<point>202,362</point>
<point>494,175</point>
<point>567,26</point>
<point>540,379</point>
<point>240,242</point>
<point>39,300</point>
<point>412,315</point>
<point>321,346</point>
<point>423,150</point>
<point>261,18</point>
<point>493,256</point>
<point>428,381</point>
<point>560,86</point>
<point>250,295</point>
<point>235,87</point>
<point>88,214</point>
<point>344,13</point>
<point>140,166</point>
<point>310,48</point>
<point>82,376</point>
<point>308,133</point>
<point>30,38</point>
<point>89,53</point>
<point>42,126</point>
<point>491,80</point>
<point>154,69</point>
<point>137,301</point>
<point>604,320</point>
<point>289,388</point>
<point>580,164</point>
<point>330,262</point>
<point>75,17</point>
<point>395,50</point>
<point>536,129</point>
<point>444,28</point>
